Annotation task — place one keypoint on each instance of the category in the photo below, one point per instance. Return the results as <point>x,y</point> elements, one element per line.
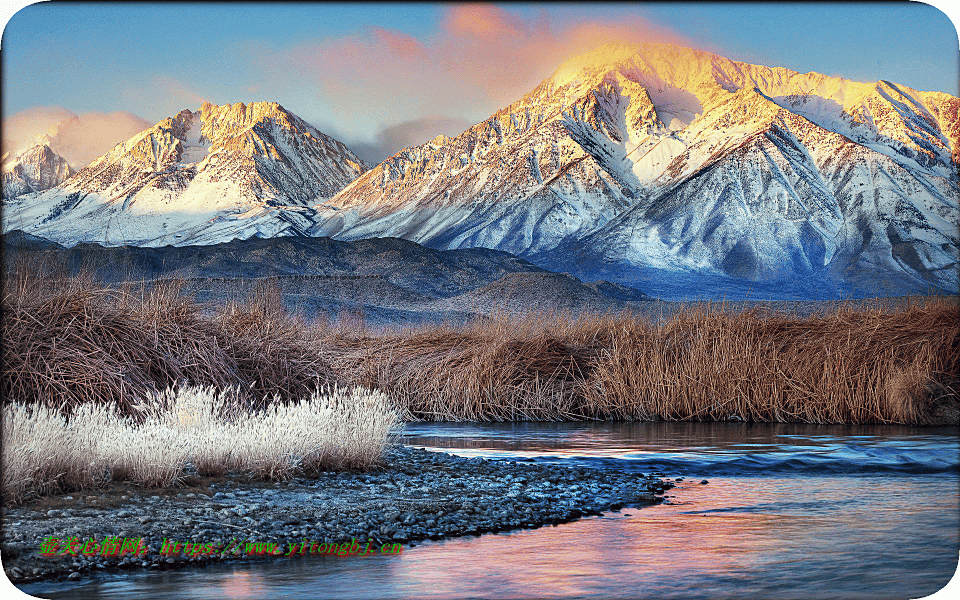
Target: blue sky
<point>378,76</point>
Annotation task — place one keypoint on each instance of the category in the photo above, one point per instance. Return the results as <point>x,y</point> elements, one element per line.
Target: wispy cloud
<point>166,96</point>
<point>483,21</point>
<point>394,138</point>
<point>481,59</point>
<point>78,138</point>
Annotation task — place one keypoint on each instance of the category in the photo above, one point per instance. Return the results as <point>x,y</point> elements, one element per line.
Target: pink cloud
<point>22,128</point>
<point>482,59</point>
<point>482,21</point>
<point>78,138</point>
<point>401,44</point>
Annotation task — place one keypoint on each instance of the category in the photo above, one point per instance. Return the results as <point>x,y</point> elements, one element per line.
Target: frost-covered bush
<point>45,452</point>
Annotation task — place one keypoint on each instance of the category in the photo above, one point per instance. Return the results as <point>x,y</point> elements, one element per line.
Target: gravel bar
<point>413,495</point>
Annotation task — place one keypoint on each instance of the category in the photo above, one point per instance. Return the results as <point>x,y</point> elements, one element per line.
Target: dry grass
<point>849,366</point>
<point>68,343</point>
<point>42,455</point>
<point>502,370</point>
<point>45,452</point>
<point>853,366</point>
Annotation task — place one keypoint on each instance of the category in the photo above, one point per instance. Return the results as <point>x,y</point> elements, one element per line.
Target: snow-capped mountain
<point>35,169</point>
<point>220,173</point>
<point>658,166</point>
<point>656,159</point>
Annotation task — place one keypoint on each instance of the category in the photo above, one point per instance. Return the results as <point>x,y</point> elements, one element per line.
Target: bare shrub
<point>860,365</point>
<point>67,342</point>
<point>43,454</point>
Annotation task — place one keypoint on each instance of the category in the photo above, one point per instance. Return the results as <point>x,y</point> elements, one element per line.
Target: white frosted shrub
<point>43,452</point>
<point>199,417</point>
<point>337,428</point>
<point>151,454</point>
<point>331,429</point>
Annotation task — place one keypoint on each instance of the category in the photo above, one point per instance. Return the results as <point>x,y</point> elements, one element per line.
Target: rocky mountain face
<point>660,164</point>
<point>220,173</point>
<point>35,169</point>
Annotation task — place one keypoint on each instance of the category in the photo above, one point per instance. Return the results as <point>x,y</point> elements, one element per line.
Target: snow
<point>651,158</point>
<point>194,150</point>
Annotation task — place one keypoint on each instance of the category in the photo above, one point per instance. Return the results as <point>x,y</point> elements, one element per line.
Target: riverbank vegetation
<point>68,341</point>
<point>190,432</point>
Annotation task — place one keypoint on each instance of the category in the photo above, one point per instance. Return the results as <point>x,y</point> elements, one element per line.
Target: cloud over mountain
<point>393,138</point>
<point>78,138</point>
<point>482,59</point>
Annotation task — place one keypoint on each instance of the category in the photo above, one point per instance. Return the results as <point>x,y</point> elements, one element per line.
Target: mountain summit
<point>655,163</point>
<point>34,169</point>
<point>219,173</point>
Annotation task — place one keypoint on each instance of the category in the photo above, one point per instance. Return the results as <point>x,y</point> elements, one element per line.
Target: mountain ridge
<point>390,280</point>
<point>236,170</point>
<point>34,169</point>
<point>629,163</point>
<point>611,158</point>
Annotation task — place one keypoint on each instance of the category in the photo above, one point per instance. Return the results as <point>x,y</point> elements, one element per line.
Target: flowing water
<point>789,511</point>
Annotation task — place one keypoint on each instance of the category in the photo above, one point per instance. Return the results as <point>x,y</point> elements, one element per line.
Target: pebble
<point>415,495</point>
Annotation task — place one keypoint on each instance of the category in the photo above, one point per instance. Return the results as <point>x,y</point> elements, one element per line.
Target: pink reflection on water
<point>707,534</point>
<point>243,584</point>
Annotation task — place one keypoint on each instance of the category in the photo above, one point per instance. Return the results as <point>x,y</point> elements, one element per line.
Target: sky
<point>381,77</point>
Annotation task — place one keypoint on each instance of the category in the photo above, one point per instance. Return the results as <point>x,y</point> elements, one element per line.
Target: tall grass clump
<point>851,366</point>
<point>498,371</point>
<point>190,430</point>
<point>333,429</point>
<point>42,454</point>
<point>67,342</point>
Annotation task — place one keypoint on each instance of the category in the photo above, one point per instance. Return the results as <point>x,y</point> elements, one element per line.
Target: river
<point>788,511</point>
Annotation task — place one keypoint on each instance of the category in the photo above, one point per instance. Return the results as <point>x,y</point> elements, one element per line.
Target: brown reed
<point>850,366</point>
<point>73,342</point>
<point>67,341</point>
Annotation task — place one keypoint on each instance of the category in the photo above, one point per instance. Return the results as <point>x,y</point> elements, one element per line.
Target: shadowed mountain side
<point>347,289</point>
<point>403,263</point>
<point>384,280</point>
<point>370,299</point>
<point>535,293</point>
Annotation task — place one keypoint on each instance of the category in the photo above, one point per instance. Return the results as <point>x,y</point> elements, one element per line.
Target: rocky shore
<point>413,496</point>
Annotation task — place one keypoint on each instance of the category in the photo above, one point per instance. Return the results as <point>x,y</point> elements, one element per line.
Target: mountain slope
<point>220,173</point>
<point>666,158</point>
